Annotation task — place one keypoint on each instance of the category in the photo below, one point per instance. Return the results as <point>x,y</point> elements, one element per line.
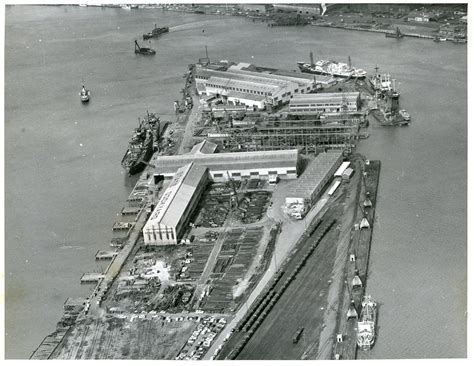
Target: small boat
<point>436,39</point>
<point>442,39</point>
<point>85,94</point>
<point>366,327</point>
<point>143,50</point>
<point>404,114</point>
<point>156,32</point>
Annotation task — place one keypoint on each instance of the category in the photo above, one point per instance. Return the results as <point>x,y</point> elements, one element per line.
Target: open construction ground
<point>305,305</point>
<point>172,301</point>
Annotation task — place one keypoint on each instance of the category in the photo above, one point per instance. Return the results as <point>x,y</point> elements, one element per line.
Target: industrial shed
<point>236,165</point>
<point>171,214</point>
<point>313,180</point>
<point>325,103</point>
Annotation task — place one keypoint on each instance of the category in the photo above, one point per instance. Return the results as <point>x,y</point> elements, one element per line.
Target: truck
<point>298,335</point>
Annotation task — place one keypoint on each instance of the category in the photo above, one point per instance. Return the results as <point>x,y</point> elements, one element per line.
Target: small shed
<point>364,223</point>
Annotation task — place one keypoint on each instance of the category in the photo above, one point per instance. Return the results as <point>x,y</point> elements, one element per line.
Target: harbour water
<point>64,183</point>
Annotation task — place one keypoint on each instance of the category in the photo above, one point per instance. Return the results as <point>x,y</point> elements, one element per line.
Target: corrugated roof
<point>313,175</point>
<point>242,84</point>
<point>320,97</point>
<point>204,147</point>
<point>248,96</point>
<point>176,197</point>
<point>301,75</point>
<point>252,77</point>
<point>297,78</point>
<point>229,161</point>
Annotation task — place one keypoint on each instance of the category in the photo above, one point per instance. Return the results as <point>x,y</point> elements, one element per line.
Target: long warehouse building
<point>235,165</point>
<point>325,103</point>
<point>171,215</point>
<point>313,180</point>
<point>243,84</point>
<point>190,174</point>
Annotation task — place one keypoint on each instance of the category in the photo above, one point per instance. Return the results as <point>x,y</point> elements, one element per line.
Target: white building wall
<point>158,234</point>
<point>263,173</point>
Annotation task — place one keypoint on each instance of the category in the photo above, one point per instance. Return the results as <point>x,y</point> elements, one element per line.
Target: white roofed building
<point>325,103</point>
<point>171,214</point>
<point>240,84</point>
<point>236,165</point>
<point>313,180</point>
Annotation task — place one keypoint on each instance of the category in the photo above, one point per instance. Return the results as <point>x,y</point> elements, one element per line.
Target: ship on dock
<point>143,50</point>
<point>141,144</point>
<point>155,33</point>
<point>366,325</point>
<point>332,68</point>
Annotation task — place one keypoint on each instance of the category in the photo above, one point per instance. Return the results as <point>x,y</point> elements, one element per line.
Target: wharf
<point>90,277</point>
<point>122,226</point>
<point>130,211</point>
<point>359,247</point>
<point>49,345</point>
<point>104,255</point>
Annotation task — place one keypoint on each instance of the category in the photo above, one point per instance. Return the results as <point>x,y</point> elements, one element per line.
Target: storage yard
<point>201,230</point>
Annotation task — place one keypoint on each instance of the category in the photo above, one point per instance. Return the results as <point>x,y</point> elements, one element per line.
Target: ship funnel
<point>311,58</point>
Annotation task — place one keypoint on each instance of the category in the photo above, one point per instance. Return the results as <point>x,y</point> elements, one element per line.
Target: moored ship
<point>366,325</point>
<point>156,32</point>
<point>140,145</point>
<point>332,68</point>
<point>384,83</point>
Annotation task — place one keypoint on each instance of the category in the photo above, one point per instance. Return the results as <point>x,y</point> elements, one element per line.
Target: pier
<point>90,277</point>
<point>103,255</point>
<point>130,211</point>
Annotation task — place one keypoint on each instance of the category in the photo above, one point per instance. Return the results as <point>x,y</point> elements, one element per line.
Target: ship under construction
<point>309,136</point>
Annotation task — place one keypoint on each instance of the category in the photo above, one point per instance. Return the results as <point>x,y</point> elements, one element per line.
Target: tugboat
<point>155,33</point>
<point>140,145</point>
<point>143,50</point>
<point>366,327</point>
<point>404,114</point>
<point>85,94</point>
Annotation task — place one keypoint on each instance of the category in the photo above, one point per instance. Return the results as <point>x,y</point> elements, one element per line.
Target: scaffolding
<point>280,135</point>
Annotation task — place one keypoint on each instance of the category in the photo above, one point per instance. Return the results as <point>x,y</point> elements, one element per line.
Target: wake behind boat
<point>332,68</point>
